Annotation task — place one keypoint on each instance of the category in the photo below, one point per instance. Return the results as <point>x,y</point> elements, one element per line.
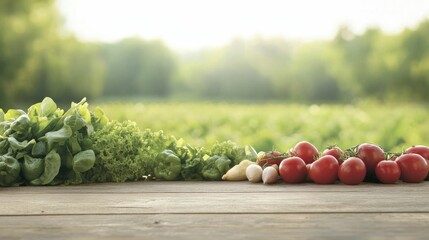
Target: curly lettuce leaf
<point>155,142</point>
<point>230,149</point>
<point>117,147</point>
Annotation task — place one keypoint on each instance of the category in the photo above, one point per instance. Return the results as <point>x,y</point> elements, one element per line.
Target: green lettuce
<point>48,145</point>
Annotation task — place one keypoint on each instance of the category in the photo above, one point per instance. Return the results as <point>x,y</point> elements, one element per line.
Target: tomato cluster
<point>365,162</point>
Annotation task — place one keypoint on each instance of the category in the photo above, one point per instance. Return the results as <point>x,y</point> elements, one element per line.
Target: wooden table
<point>215,210</point>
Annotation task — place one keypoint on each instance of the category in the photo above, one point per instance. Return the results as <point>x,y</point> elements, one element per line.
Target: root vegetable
<point>270,175</point>
<point>254,173</point>
<point>276,167</point>
<point>238,172</point>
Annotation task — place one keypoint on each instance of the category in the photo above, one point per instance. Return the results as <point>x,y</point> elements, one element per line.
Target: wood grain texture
<point>218,226</point>
<point>215,187</point>
<point>215,210</point>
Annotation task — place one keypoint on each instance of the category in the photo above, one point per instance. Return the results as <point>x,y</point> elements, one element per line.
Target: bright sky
<point>194,24</point>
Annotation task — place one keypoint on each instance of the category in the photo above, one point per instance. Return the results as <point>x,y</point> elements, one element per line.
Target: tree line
<point>38,59</point>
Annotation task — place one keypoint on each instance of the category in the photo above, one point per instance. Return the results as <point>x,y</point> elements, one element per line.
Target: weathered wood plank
<point>371,198</point>
<point>213,187</point>
<point>215,210</point>
<point>218,226</point>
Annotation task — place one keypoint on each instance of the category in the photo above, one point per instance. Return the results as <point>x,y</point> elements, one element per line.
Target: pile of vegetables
<point>124,153</point>
<point>49,146</point>
<point>46,145</point>
<point>364,162</point>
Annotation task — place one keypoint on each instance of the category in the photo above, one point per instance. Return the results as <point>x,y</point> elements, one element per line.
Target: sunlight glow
<point>193,24</point>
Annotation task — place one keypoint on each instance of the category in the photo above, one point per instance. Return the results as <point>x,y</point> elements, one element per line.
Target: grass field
<point>280,126</point>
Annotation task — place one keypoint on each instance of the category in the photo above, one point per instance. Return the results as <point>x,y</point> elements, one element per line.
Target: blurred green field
<point>280,126</point>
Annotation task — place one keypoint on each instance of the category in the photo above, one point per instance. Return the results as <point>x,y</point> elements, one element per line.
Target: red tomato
<point>293,170</point>
<point>371,155</point>
<point>420,150</point>
<point>388,171</point>
<point>306,151</point>
<point>335,152</point>
<point>324,170</point>
<point>307,178</point>
<point>270,158</point>
<point>427,178</point>
<point>352,171</point>
<point>413,167</point>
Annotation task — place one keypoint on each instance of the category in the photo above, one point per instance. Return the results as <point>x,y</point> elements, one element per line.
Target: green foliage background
<point>39,58</point>
<point>280,125</point>
<point>283,91</point>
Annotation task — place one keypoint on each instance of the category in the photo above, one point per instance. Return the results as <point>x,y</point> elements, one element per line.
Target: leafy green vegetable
<point>43,123</point>
<point>52,164</point>
<point>222,164</point>
<point>32,168</point>
<point>48,107</point>
<point>39,149</point>
<point>66,158</point>
<point>215,167</point>
<point>9,170</point>
<point>99,118</point>
<point>75,122</point>
<point>74,145</point>
<point>4,145</point>
<point>233,151</point>
<point>118,153</point>
<point>16,145</point>
<point>191,169</point>
<point>74,107</point>
<point>18,128</point>
<point>83,161</point>
<point>59,136</point>
<point>47,146</point>
<point>192,162</point>
<point>168,165</point>
<point>13,114</point>
<point>45,139</point>
<point>43,126</point>
<point>153,144</point>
